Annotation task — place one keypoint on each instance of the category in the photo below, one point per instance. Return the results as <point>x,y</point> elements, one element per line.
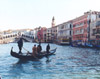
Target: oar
<point>25,49</point>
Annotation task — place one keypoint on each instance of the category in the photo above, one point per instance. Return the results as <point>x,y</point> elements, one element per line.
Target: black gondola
<point>30,57</point>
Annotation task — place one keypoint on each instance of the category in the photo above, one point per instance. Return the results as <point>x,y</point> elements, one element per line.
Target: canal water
<point>68,63</point>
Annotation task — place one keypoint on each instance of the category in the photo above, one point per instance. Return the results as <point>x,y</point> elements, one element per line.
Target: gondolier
<point>20,45</point>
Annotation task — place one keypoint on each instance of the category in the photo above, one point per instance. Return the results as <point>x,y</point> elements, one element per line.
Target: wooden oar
<point>25,49</point>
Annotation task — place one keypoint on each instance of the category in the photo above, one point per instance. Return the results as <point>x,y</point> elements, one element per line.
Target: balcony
<point>79,33</point>
<point>97,33</point>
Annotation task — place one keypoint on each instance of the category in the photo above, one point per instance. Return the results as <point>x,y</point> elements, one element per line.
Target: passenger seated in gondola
<point>34,51</point>
<point>39,48</point>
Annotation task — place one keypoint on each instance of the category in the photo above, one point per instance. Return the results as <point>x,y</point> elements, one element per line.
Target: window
<point>97,36</point>
<point>81,24</point>
<point>70,33</point>
<point>62,27</point>
<point>98,23</point>
<point>85,22</point>
<point>94,31</point>
<point>70,26</point>
<point>98,30</point>
<point>81,30</point>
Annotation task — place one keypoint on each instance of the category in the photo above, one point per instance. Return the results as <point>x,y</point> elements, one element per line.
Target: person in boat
<point>39,48</point>
<point>20,45</point>
<point>34,51</point>
<point>48,48</point>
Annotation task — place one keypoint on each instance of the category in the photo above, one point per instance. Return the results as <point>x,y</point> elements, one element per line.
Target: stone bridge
<point>27,38</point>
<point>15,38</point>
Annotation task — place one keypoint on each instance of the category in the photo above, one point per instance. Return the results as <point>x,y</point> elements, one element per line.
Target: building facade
<point>95,32</point>
<point>54,34</point>
<point>35,35</point>
<point>80,32</point>
<point>65,33</point>
<point>41,34</point>
<point>44,34</point>
<point>82,28</point>
<point>48,35</point>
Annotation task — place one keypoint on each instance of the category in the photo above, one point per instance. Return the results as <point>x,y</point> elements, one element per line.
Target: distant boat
<point>64,43</point>
<point>30,57</point>
<point>74,44</point>
<point>96,46</point>
<point>89,45</point>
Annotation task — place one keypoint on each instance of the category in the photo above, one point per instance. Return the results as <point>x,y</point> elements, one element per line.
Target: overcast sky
<point>19,14</point>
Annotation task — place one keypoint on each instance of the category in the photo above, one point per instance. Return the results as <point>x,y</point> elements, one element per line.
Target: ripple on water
<point>68,63</point>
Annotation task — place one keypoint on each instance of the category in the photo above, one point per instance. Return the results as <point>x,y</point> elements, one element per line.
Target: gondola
<point>28,56</point>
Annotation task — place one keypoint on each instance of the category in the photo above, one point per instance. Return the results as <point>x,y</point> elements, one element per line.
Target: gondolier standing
<point>20,45</point>
<point>48,48</point>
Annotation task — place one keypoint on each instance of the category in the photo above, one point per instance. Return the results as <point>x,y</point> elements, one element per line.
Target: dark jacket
<point>48,48</point>
<point>39,48</point>
<point>20,43</point>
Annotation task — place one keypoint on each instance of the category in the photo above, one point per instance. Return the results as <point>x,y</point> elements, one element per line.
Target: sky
<point>21,14</point>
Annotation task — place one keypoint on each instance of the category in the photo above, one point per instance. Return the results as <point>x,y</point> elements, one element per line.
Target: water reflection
<point>16,70</point>
<point>18,66</point>
<point>48,59</point>
<point>37,65</point>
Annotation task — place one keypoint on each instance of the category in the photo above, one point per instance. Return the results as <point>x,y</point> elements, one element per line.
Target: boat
<point>89,45</point>
<point>96,46</point>
<point>26,56</point>
<point>74,44</point>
